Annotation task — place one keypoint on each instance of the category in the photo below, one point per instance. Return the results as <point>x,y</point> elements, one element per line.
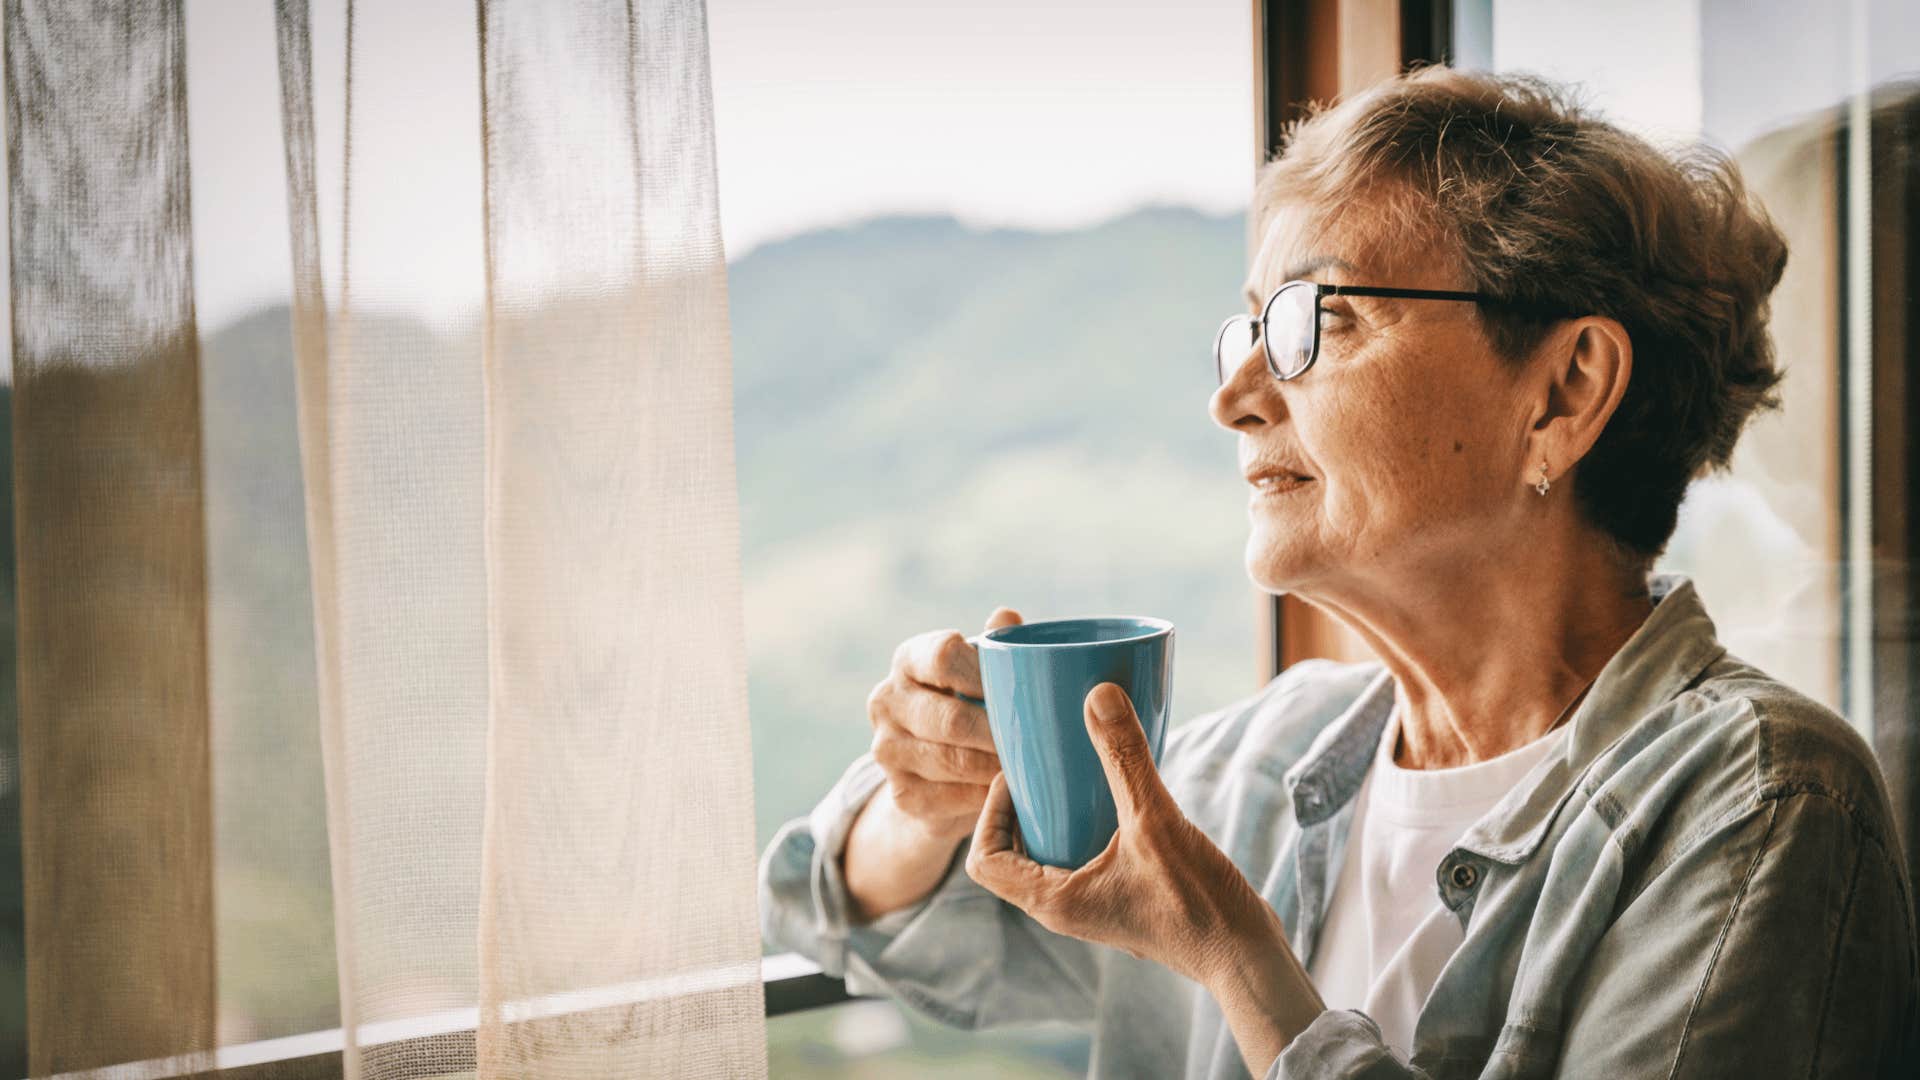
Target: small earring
<point>1544,483</point>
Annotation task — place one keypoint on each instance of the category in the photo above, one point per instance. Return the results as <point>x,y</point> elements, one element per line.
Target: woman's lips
<point>1274,487</point>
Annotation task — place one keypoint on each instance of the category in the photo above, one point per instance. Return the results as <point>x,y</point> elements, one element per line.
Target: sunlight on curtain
<point>393,456</point>
<point>524,549</point>
<point>619,845</point>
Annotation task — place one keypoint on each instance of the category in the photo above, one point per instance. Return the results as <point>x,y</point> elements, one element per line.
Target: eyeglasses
<point>1289,326</point>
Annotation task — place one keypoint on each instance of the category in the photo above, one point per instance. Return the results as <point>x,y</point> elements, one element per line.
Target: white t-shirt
<point>1387,934</point>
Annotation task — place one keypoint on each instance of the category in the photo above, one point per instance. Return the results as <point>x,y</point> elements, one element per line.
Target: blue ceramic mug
<point>1037,677</point>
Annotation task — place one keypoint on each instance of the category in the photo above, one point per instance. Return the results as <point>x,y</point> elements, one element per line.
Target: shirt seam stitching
<point>1774,787</point>
<point>1719,943</point>
<point>1779,790</point>
<point>1890,863</point>
<point>1833,965</point>
<point>1689,844</point>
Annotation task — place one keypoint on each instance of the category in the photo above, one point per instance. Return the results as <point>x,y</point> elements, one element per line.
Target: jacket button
<point>1464,875</point>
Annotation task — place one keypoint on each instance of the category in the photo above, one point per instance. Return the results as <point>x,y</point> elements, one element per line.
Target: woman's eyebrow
<point>1317,263</point>
<point>1300,270</point>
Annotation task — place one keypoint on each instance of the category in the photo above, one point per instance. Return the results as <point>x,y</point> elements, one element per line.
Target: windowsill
<point>792,983</point>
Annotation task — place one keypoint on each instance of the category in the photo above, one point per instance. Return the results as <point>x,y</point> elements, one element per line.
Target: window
<point>1804,552</point>
<point>976,254</point>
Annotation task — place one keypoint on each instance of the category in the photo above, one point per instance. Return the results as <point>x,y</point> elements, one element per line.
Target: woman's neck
<point>1487,658</point>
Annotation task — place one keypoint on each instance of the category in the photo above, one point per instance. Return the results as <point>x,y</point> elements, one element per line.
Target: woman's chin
<point>1278,563</point>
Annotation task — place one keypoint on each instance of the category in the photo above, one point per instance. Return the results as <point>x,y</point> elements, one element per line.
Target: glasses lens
<point>1231,346</point>
<point>1290,328</point>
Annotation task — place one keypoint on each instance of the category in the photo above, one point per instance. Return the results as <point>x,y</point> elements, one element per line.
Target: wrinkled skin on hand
<point>1161,891</point>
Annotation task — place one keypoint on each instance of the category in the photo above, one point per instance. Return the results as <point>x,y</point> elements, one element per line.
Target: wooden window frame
<point>1318,50</point>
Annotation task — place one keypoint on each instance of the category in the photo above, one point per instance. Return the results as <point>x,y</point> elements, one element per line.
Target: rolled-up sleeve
<point>1344,1044</point>
<point>962,955</point>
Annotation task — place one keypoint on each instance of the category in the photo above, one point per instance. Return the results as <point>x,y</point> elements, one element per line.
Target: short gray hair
<point>1559,213</point>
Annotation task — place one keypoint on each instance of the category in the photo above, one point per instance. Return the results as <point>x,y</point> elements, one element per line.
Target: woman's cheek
<point>1347,477</point>
<point>1342,513</point>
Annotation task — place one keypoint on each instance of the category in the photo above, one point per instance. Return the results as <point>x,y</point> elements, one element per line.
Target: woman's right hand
<point>939,759</point>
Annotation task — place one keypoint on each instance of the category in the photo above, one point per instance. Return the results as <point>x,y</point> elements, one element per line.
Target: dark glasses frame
<point>1221,362</point>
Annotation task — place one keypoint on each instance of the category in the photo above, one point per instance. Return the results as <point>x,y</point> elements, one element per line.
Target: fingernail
<point>1109,704</point>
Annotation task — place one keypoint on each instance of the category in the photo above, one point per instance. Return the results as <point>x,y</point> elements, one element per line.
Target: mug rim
<point>1156,627</point>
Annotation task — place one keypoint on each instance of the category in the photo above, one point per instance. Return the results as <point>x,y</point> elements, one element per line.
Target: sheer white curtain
<point>526,561</point>
<point>521,525</point>
<point>115,818</point>
<point>619,844</point>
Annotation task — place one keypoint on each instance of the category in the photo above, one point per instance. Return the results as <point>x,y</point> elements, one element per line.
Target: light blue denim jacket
<point>1705,883</point>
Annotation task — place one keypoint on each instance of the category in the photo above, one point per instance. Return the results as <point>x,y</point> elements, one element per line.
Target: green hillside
<point>930,420</point>
<point>933,420</point>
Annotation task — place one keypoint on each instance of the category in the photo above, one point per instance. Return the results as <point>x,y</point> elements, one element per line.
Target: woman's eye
<point>1332,318</point>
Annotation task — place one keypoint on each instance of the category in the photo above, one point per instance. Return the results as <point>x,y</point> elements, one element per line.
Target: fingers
<point>941,659</point>
<point>1124,753</point>
<point>933,801</point>
<point>944,660</point>
<point>897,749</point>
<point>1000,868</point>
<point>997,826</point>
<point>929,714</point>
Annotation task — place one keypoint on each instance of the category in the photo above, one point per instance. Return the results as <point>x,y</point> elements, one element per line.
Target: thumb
<point>1121,743</point>
<point>1003,616</point>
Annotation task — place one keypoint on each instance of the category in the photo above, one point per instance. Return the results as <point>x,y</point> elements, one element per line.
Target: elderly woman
<point>1557,829</point>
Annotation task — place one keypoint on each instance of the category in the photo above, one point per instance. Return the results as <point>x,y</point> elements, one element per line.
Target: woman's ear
<point>1588,364</point>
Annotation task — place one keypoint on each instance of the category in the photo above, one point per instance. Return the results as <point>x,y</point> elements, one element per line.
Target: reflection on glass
<point>1765,544</point>
<point>1803,552</point>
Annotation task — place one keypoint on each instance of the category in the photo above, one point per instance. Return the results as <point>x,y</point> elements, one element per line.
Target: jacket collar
<point>1664,656</point>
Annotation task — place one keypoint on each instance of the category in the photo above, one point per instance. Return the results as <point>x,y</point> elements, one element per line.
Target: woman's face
<point>1408,427</point>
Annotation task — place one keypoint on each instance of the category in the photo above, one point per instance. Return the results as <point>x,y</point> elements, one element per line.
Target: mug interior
<point>1090,630</point>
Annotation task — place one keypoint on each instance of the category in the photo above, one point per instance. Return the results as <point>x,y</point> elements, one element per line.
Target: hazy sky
<point>1041,112</point>
<point>1045,113</point>
<point>1048,113</point>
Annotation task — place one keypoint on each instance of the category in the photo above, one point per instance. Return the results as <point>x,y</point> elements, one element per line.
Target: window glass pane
<point>977,256</point>
<point>1803,551</point>
<point>873,1039</point>
<point>1765,541</point>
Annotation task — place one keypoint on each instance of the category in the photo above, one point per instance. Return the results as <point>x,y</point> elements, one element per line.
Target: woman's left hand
<point>1161,890</point>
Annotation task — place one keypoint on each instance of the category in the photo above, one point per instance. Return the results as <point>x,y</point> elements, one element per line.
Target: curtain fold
<point>524,545</point>
<point>116,816</point>
<point>619,848</point>
<point>308,322</point>
<point>522,541</point>
<point>392,453</point>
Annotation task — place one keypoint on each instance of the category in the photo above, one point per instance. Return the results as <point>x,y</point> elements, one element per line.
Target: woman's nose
<point>1250,397</point>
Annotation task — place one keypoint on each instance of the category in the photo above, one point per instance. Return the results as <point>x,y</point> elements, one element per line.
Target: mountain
<point>932,420</point>
<point>921,332</point>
